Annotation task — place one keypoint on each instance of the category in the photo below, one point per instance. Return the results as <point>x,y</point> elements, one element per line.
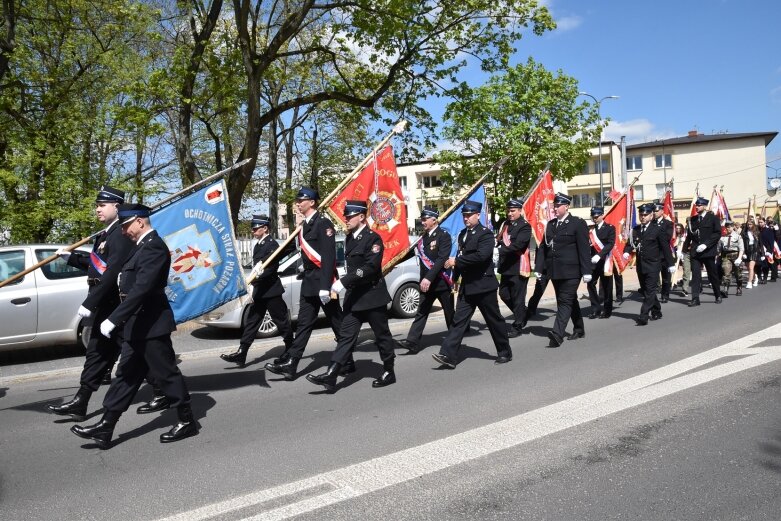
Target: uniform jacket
<point>565,250</point>
<point>652,248</point>
<point>606,233</point>
<point>320,235</point>
<point>363,281</point>
<point>436,246</point>
<point>474,261</point>
<point>667,228</point>
<point>520,233</point>
<point>767,237</point>
<point>731,245</point>
<point>267,285</point>
<point>145,311</point>
<point>113,248</point>
<point>703,229</point>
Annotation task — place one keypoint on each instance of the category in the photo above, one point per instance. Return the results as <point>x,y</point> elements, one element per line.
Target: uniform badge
<point>329,232</point>
<point>359,272</point>
<point>432,245</point>
<point>376,248</point>
<point>102,247</point>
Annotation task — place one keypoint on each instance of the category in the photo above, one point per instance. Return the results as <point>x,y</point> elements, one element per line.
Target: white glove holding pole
<point>738,262</point>
<point>537,274</point>
<point>63,253</point>
<point>84,312</point>
<point>325,296</point>
<point>701,248</point>
<point>106,327</point>
<point>586,278</point>
<point>625,256</point>
<point>337,286</point>
<point>672,269</point>
<point>594,259</point>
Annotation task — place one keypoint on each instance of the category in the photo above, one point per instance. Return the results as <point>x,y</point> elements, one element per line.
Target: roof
<point>701,138</point>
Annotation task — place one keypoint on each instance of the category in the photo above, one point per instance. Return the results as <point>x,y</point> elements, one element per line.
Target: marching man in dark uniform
<point>667,228</point>
<point>317,241</point>
<point>436,282</point>
<point>144,321</point>
<point>266,294</point>
<point>102,266</point>
<point>365,300</point>
<point>564,257</point>
<point>702,241</point>
<point>603,239</point>
<point>514,263</point>
<point>474,264</point>
<point>652,246</point>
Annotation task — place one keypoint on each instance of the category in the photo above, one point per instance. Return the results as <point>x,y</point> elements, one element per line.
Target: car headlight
<point>211,317</point>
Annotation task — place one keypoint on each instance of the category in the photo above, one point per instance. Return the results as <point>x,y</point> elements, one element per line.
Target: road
<point>675,420</point>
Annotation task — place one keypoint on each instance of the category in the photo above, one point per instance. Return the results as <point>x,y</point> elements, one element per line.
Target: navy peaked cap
<point>129,211</point>
<point>306,193</point>
<point>645,208</point>
<point>701,201</point>
<point>515,203</point>
<point>259,220</point>
<point>429,211</point>
<point>107,194</point>
<point>597,210</point>
<point>471,207</point>
<point>562,199</point>
<point>354,208</point>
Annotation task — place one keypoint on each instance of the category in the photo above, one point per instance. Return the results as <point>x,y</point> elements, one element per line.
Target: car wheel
<point>267,328</point>
<point>406,300</point>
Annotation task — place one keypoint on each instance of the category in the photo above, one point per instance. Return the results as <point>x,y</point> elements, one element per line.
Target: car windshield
<point>58,268</point>
<point>11,263</point>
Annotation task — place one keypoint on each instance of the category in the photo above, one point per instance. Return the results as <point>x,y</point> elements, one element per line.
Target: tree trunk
<point>273,185</point>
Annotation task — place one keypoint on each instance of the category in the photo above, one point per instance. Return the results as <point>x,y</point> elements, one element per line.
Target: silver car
<point>402,281</point>
<point>40,308</point>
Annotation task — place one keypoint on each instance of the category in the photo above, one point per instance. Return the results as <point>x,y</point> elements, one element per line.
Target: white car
<point>40,308</point>
<point>403,285</point>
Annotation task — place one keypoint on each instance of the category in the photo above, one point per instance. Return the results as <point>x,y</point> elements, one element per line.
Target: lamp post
<point>598,102</point>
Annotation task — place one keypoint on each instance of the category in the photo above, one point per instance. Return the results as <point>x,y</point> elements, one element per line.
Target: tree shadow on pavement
<point>2,391</point>
<point>772,452</point>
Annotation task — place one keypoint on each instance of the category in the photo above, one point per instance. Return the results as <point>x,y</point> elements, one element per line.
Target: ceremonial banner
<point>378,184</point>
<point>455,221</point>
<point>206,270</point>
<point>668,214</point>
<point>718,206</point>
<point>538,207</point>
<point>621,216</point>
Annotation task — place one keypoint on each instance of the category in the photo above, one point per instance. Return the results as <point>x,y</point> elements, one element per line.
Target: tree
<point>528,113</point>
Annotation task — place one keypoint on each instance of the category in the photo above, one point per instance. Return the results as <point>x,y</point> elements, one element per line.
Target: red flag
<point>614,195</point>
<point>618,216</point>
<point>668,213</point>
<point>379,185</point>
<point>538,207</point>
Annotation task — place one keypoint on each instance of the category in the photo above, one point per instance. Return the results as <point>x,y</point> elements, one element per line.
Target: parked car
<point>402,281</point>
<point>40,308</point>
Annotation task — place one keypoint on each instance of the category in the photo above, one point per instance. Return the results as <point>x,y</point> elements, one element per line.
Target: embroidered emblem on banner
<point>193,257</point>
<point>214,196</point>
<point>385,211</point>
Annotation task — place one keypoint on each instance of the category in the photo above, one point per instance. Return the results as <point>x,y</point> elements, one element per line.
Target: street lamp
<point>774,183</point>
<point>599,161</point>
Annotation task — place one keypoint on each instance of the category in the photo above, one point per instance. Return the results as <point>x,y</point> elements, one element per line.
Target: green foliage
<point>527,113</point>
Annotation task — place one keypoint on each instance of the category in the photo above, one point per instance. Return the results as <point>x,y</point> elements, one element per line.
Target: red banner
<point>378,184</point>
<point>538,207</point>
<point>668,214</point>
<point>618,216</point>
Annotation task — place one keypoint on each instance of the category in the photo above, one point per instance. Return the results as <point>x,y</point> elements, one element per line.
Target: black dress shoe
<point>184,428</point>
<point>413,349</point>
<point>348,368</point>
<point>577,334</point>
<point>503,359</point>
<point>444,360</point>
<point>76,408</point>
<point>620,300</point>
<point>555,340</point>
<point>693,303</point>
<point>514,332</point>
<point>237,357</point>
<point>157,403</point>
<point>287,368</point>
<point>604,314</point>
<point>328,378</point>
<point>718,300</point>
<point>593,315</point>
<point>684,293</point>
<point>387,378</point>
<point>656,316</point>
<point>100,432</point>
<point>641,321</point>
<point>664,300</point>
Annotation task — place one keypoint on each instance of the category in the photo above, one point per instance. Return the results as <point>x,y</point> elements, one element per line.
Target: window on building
<point>663,160</point>
<point>585,199</point>
<point>605,166</point>
<point>431,181</point>
<point>584,170</point>
<point>634,162</point>
<point>660,190</point>
<point>403,182</point>
<point>639,196</point>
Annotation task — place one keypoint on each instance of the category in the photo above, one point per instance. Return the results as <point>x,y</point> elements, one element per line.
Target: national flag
<point>378,184</point>
<point>538,207</point>
<point>621,216</point>
<point>206,270</point>
<point>668,214</point>
<point>454,222</point>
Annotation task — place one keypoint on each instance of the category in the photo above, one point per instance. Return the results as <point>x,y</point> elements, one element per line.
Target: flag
<point>378,184</point>
<point>718,206</point>
<point>206,270</point>
<point>668,214</point>
<point>454,222</point>
<point>614,195</point>
<point>752,207</point>
<point>538,207</point>
<point>621,216</point>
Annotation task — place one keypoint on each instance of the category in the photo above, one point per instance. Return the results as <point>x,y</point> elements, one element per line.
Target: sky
<point>677,65</point>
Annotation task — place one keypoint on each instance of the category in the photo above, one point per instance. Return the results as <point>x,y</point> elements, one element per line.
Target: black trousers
<point>601,298</point>
<point>618,278</point>
<point>445,298</point>
<point>512,291</point>
<point>101,355</point>
<point>351,327</point>
<point>308,309</point>
<point>568,307</point>
<point>539,290</point>
<point>488,305</point>
<point>649,283</point>
<point>713,276</point>
<point>768,267</point>
<point>154,356</point>
<point>667,279</point>
<point>277,309</point>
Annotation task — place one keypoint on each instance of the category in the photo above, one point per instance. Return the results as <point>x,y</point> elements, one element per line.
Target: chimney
<point>692,133</point>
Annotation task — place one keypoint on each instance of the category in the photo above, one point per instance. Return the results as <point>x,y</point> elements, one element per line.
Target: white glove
<point>775,227</point>
<point>625,256</point>
<point>63,254</point>
<point>537,274</point>
<point>325,296</point>
<point>701,248</point>
<point>586,278</point>
<point>337,286</point>
<point>738,262</point>
<point>106,327</point>
<point>83,312</point>
<point>744,257</point>
<point>594,259</point>
<point>672,269</point>
<point>257,270</point>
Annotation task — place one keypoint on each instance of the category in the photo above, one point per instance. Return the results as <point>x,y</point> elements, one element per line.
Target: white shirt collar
<point>111,224</point>
<point>309,219</point>
<point>150,230</point>
<point>357,232</point>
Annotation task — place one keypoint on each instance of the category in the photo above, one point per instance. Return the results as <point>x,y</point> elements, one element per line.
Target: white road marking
<point>392,469</point>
